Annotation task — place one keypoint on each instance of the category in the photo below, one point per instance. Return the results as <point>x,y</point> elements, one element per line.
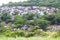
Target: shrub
<point>7,33</point>
<point>17,33</point>
<point>40,32</point>
<point>33,28</point>
<point>14,33</point>
<point>42,23</point>
<point>56,34</point>
<point>29,34</point>
<point>20,33</point>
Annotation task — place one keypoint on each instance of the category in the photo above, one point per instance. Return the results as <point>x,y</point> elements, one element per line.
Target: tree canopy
<point>53,3</point>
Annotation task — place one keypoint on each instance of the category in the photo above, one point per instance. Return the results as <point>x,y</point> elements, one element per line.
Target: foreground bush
<point>37,32</point>
<point>40,32</point>
<point>56,34</point>
<point>9,33</point>
<point>29,34</point>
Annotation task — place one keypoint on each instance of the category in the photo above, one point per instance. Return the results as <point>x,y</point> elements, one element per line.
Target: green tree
<point>5,16</point>
<point>42,23</point>
<point>18,21</point>
<point>29,16</point>
<point>2,29</point>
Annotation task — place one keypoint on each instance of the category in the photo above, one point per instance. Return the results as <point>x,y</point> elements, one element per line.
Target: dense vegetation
<point>27,25</point>
<point>50,3</point>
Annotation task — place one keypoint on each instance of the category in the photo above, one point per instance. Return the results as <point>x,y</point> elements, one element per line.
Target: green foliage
<point>2,28</point>
<point>53,18</point>
<point>54,3</point>
<point>18,33</point>
<point>5,17</point>
<point>29,16</point>
<point>42,23</point>
<point>34,22</point>
<point>31,22</point>
<point>7,33</point>
<point>29,34</point>
<point>40,32</point>
<point>33,28</point>
<point>57,34</point>
<point>18,19</point>
<point>36,32</point>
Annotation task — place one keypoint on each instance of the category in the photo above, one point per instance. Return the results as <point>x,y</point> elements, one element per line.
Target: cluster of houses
<point>25,9</point>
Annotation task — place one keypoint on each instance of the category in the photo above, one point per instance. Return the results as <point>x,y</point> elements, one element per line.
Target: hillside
<point>54,3</point>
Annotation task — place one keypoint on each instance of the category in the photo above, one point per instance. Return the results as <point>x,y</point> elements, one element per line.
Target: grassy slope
<point>31,38</point>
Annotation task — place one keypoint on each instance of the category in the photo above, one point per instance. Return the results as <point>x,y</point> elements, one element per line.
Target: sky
<point>6,1</point>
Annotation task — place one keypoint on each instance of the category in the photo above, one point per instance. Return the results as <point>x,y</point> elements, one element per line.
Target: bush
<point>37,32</point>
<point>18,33</point>
<point>56,34</point>
<point>7,33</point>
<point>42,23</point>
<point>33,28</point>
<point>29,34</point>
<point>40,32</point>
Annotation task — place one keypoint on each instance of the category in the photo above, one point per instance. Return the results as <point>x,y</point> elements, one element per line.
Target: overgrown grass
<point>30,38</point>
